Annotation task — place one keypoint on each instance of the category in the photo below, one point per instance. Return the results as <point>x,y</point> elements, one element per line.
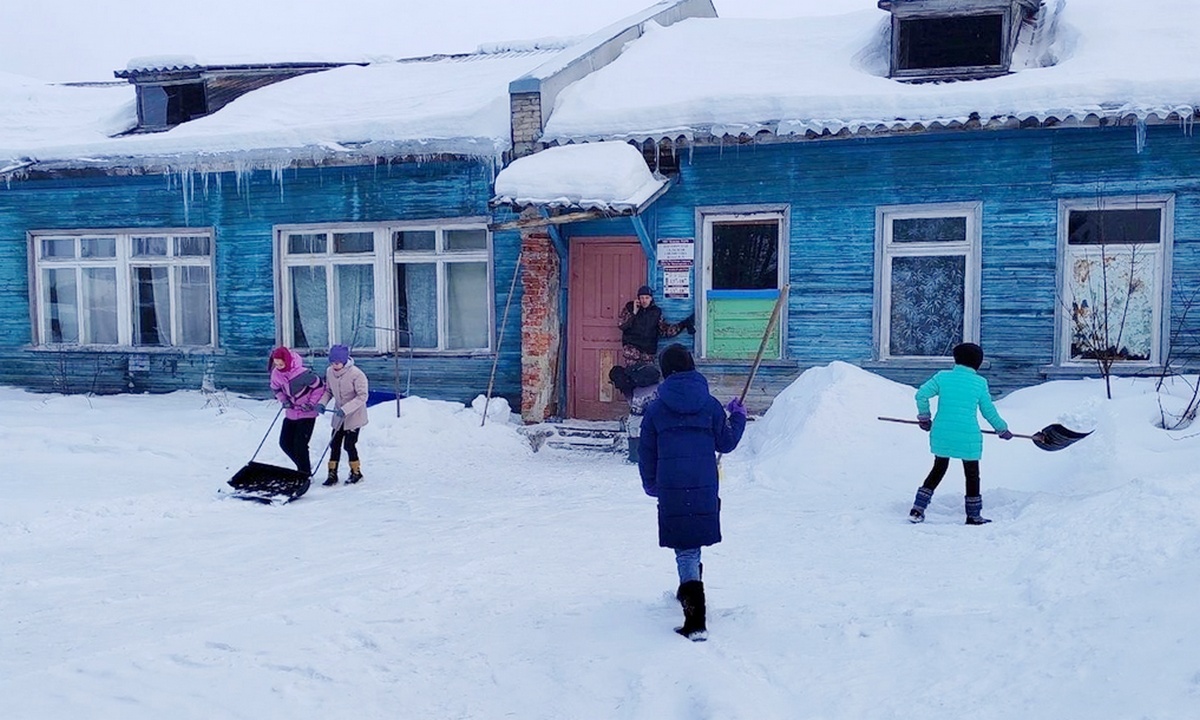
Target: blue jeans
<point>688,560</point>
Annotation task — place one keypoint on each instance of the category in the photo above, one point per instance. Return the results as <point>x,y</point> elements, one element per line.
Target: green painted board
<point>735,328</point>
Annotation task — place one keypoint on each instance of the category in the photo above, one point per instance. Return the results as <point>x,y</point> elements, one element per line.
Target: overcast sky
<point>89,39</point>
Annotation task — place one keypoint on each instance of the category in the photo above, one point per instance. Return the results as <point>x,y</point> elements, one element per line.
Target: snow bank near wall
<point>428,430</point>
<point>817,422</point>
<point>824,427</point>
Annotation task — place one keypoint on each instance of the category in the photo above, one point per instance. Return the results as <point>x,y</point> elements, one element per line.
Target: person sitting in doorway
<point>642,324</point>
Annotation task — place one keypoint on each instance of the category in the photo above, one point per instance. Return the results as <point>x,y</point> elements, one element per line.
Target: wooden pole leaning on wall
<point>500,338</point>
<point>766,338</point>
<point>762,347</point>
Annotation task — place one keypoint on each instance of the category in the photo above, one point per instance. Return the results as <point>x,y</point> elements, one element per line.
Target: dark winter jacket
<point>641,329</point>
<point>682,431</point>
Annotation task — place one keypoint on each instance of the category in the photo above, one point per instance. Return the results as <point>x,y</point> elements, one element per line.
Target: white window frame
<point>383,259</point>
<point>329,260</point>
<point>1162,251</point>
<point>886,251</point>
<point>123,263</point>
<point>706,218</point>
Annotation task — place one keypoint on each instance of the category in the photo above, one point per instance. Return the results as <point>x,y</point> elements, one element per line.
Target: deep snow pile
<point>468,576</point>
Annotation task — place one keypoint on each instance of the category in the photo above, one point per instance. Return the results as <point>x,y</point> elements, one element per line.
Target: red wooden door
<point>605,274</point>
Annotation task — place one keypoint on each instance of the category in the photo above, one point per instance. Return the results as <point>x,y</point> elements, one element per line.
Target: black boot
<point>975,516</point>
<point>917,514</point>
<point>691,596</point>
<point>332,478</point>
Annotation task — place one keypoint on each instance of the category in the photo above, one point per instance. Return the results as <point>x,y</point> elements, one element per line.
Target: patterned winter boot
<point>975,510</point>
<point>355,472</point>
<point>917,514</point>
<point>332,479</point>
<point>691,596</point>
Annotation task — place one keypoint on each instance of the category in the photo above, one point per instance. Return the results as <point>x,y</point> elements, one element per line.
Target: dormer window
<point>165,106</point>
<point>172,90</point>
<point>954,40</point>
<point>970,41</point>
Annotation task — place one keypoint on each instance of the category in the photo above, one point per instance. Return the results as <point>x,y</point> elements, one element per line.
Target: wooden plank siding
<point>242,210</point>
<point>833,189</point>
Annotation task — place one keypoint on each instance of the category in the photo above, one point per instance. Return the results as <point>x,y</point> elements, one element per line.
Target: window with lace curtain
<point>927,290</point>
<point>423,286</point>
<point>143,289</point>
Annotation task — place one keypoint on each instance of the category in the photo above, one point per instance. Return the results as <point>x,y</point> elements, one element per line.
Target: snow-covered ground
<point>469,577</point>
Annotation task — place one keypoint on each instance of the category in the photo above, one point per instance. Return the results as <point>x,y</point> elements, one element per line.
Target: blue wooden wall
<point>242,210</point>
<point>834,187</point>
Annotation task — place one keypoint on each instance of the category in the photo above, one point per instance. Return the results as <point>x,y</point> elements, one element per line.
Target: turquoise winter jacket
<point>962,394</point>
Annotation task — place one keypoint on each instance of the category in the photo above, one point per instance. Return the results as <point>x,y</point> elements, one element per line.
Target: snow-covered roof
<point>821,75</point>
<point>166,63</point>
<point>439,105</point>
<point>607,176</point>
<point>808,76</point>
<point>34,114</point>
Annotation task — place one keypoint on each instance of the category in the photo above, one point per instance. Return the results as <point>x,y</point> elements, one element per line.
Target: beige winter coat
<point>348,388</point>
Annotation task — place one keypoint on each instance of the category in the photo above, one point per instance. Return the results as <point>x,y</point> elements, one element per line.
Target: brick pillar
<point>525,119</point>
<point>541,332</point>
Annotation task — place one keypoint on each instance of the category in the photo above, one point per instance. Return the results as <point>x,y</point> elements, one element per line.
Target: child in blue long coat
<point>954,432</point>
<point>682,431</point>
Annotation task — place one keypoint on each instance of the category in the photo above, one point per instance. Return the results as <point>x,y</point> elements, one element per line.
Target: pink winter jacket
<point>348,387</point>
<point>299,386</point>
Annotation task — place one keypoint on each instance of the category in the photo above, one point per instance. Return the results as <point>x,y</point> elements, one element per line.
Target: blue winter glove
<point>338,412</point>
<point>321,408</point>
<point>735,407</point>
<point>924,422</point>
<point>287,404</point>
<point>1004,435</point>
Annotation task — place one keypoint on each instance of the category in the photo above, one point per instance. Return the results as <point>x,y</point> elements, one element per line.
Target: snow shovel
<point>1052,437</point>
<point>269,484</point>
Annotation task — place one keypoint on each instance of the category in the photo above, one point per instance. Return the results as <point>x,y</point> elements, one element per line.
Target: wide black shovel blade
<point>269,483</point>
<point>1056,437</point>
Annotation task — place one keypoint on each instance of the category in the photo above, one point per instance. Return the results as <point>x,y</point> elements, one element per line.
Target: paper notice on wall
<point>677,283</point>
<point>676,251</point>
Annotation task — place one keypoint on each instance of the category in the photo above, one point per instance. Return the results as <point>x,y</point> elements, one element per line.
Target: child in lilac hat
<point>347,386</point>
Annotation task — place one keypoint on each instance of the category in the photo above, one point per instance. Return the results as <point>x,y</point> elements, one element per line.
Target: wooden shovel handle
<point>915,422</point>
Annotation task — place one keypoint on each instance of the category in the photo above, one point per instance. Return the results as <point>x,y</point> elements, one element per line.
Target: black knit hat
<point>675,358</point>
<point>968,354</point>
<point>645,290</point>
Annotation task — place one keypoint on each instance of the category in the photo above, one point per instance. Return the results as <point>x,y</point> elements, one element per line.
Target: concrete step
<point>604,436</point>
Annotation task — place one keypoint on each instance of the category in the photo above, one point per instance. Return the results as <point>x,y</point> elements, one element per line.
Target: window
<point>143,289</point>
<point>1113,255</point>
<point>425,287</point>
<point>163,106</point>
<point>744,270</point>
<point>967,41</point>
<point>928,269</point>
